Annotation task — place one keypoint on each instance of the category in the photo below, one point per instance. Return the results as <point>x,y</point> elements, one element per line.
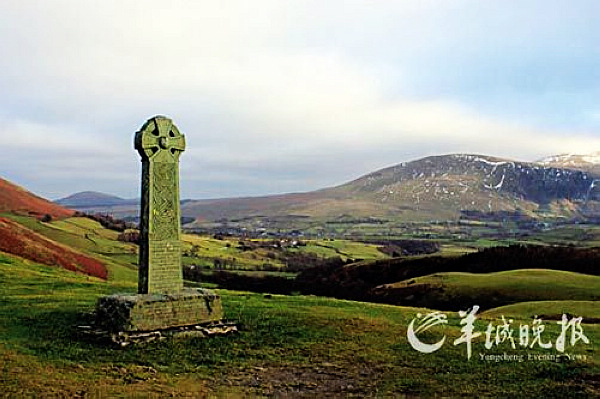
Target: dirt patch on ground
<point>318,380</point>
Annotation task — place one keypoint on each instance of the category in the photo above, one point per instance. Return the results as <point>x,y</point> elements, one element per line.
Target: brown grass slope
<point>26,243</point>
<point>18,200</point>
<point>21,241</point>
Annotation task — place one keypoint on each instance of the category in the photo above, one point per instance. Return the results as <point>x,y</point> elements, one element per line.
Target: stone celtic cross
<point>162,305</point>
<point>160,144</point>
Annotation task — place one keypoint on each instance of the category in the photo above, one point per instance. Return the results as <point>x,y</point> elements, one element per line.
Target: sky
<point>289,95</point>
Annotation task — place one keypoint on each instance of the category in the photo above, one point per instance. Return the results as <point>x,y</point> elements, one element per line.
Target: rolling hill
<point>297,346</point>
<point>90,199</point>
<point>452,290</point>
<point>18,200</point>
<point>26,243</point>
<point>406,281</point>
<point>19,239</point>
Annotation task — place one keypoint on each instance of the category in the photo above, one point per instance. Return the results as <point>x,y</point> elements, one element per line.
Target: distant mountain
<point>88,199</point>
<point>18,200</point>
<point>474,181</point>
<point>432,188</point>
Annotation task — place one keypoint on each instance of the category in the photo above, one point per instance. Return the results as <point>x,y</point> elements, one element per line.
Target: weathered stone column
<point>160,144</point>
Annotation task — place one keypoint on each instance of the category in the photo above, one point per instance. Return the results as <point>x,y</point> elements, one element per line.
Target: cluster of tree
<point>299,261</point>
<point>347,219</point>
<point>268,283</point>
<point>109,222</point>
<point>294,262</point>
<point>395,248</point>
<point>232,264</point>
<point>357,281</point>
<point>236,281</point>
<point>132,236</point>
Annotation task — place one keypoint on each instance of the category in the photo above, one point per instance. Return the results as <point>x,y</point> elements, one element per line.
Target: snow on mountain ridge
<point>571,159</point>
<point>592,158</point>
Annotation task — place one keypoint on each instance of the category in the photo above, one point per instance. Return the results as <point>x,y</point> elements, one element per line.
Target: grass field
<point>345,249</point>
<point>203,250</point>
<point>206,249</point>
<point>588,236</point>
<point>589,310</point>
<point>288,345</point>
<point>501,288</point>
<point>89,237</point>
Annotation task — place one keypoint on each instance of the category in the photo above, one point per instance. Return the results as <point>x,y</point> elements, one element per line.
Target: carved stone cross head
<point>160,140</point>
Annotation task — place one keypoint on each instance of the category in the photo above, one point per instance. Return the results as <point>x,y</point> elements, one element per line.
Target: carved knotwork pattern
<point>165,221</point>
<point>144,201</point>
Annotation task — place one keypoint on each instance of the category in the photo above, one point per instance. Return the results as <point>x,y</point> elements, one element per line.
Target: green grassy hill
<point>88,237</point>
<point>589,310</point>
<point>245,253</point>
<point>490,290</point>
<point>21,241</point>
<point>288,345</point>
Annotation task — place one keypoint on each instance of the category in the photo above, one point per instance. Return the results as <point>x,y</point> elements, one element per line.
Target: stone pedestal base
<point>117,313</point>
